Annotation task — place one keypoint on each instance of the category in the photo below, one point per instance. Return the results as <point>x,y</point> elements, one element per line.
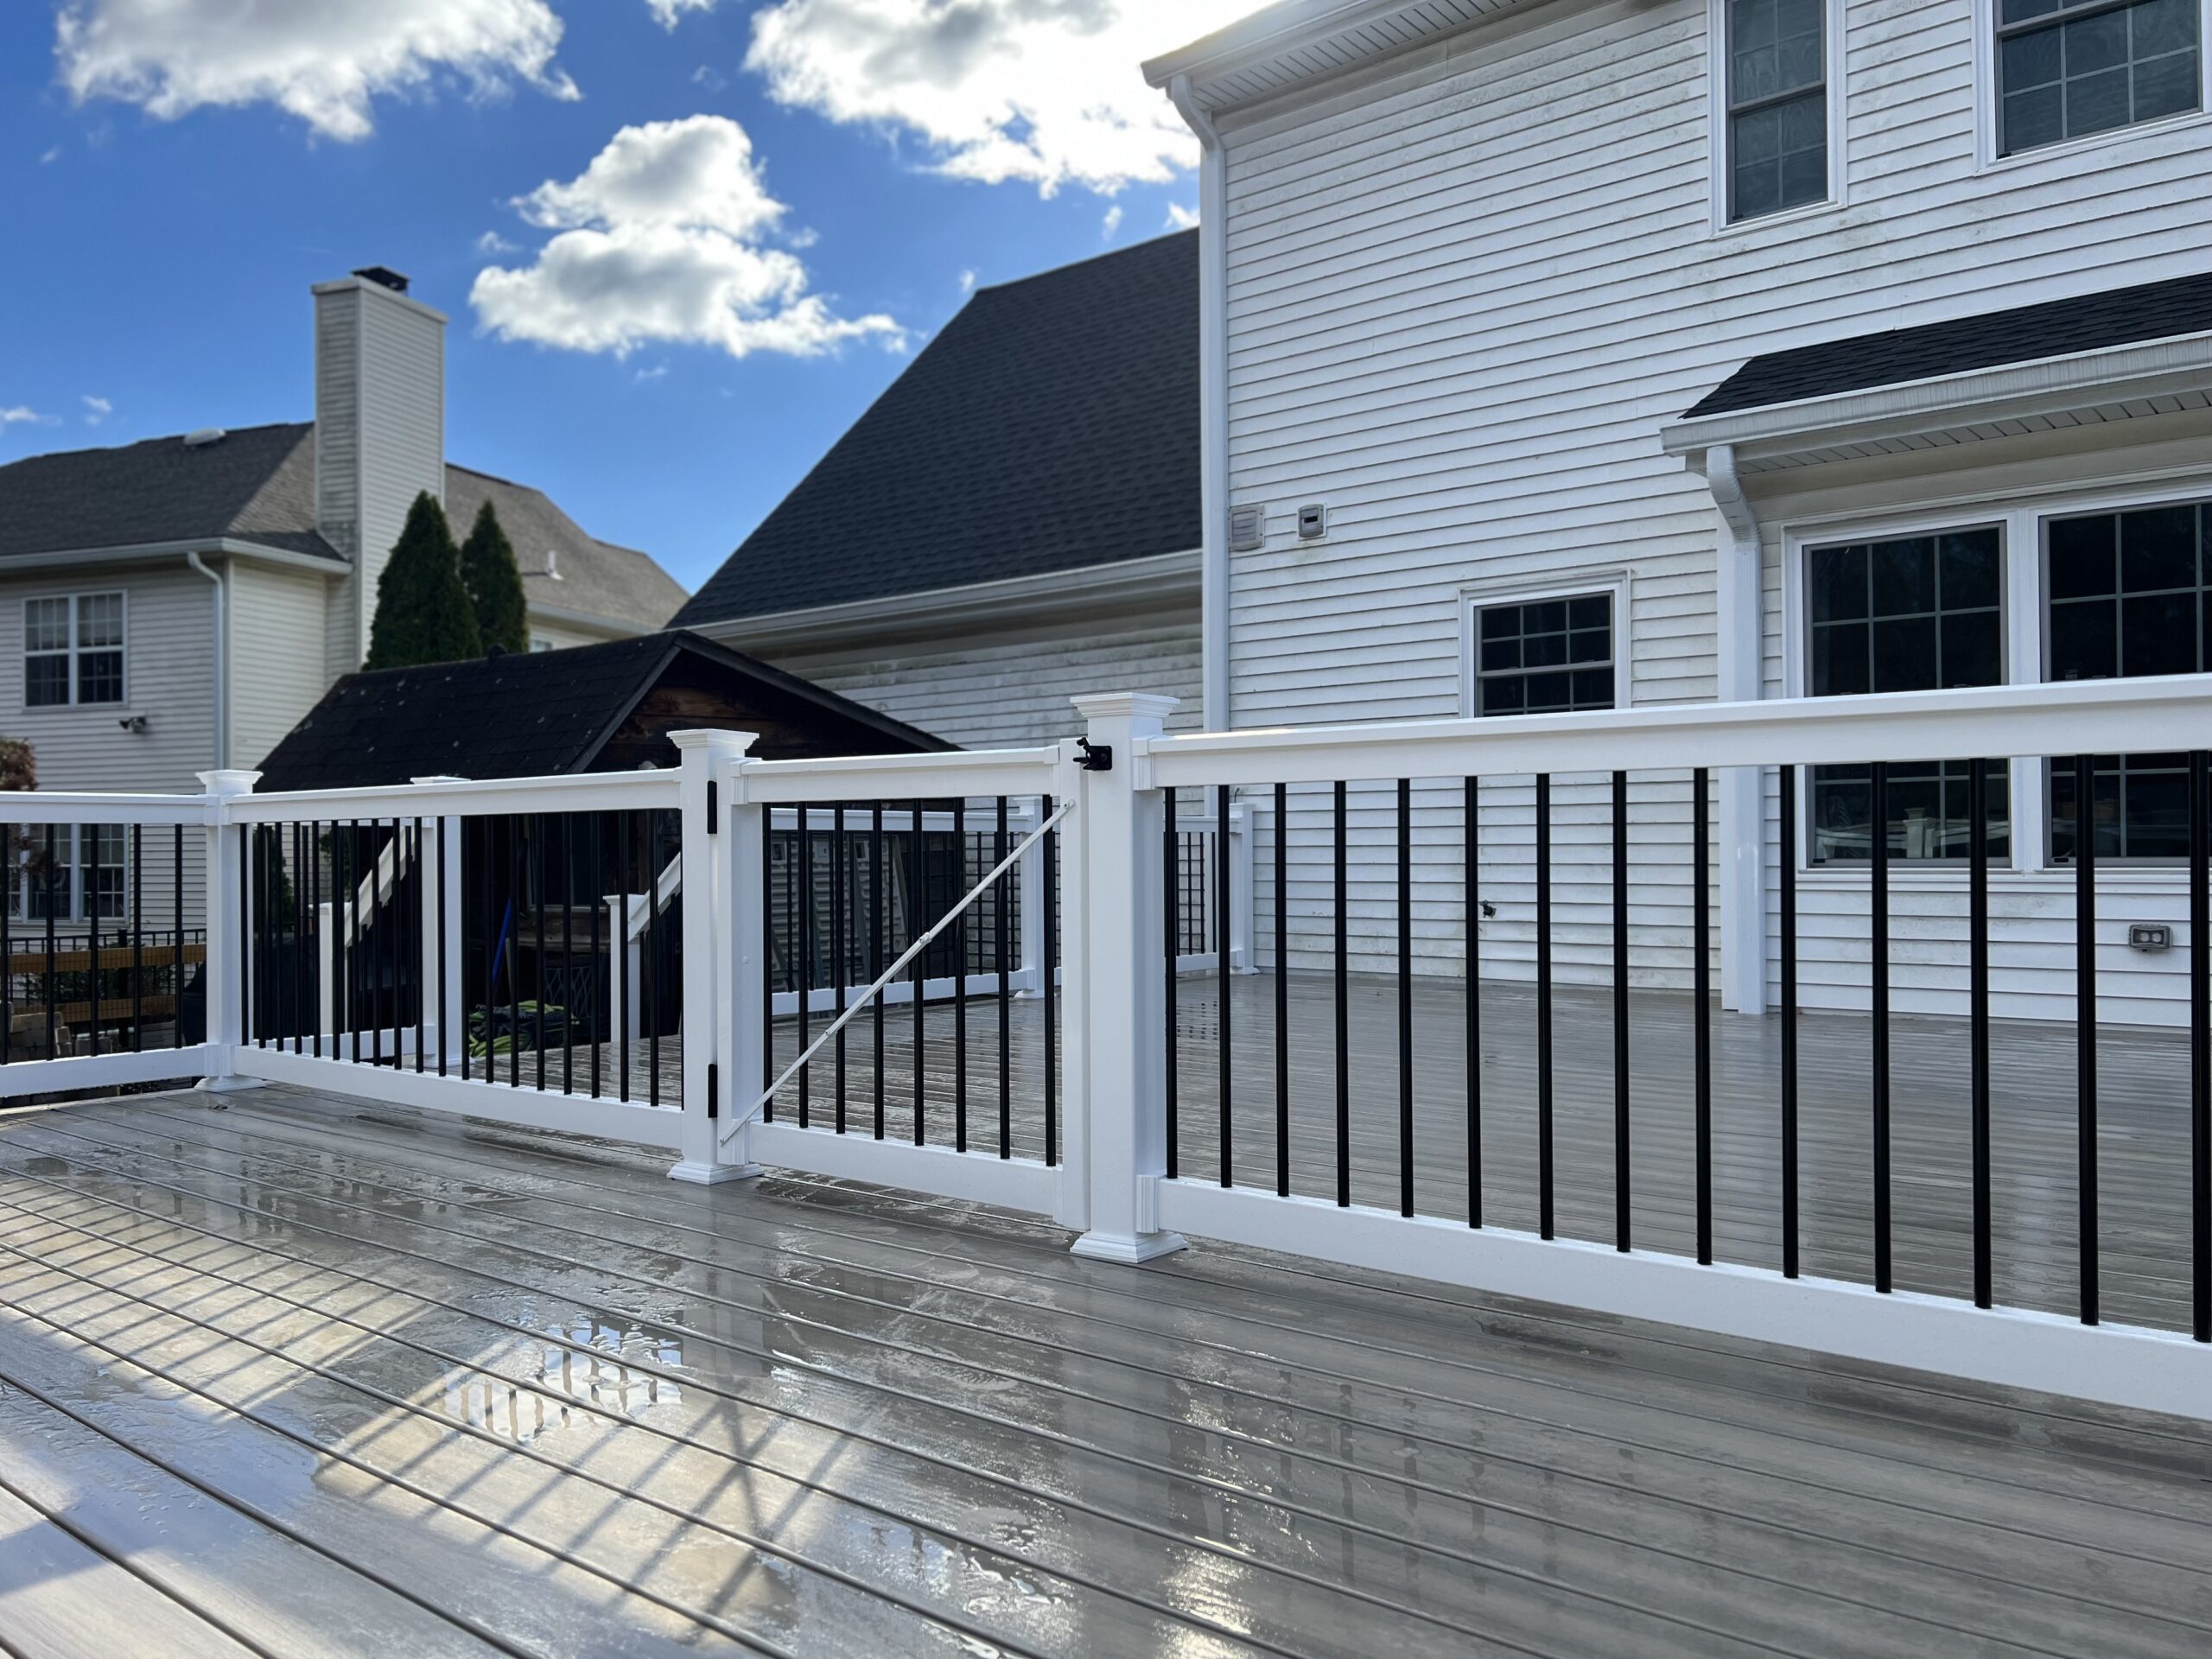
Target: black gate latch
<point>1095,758</point>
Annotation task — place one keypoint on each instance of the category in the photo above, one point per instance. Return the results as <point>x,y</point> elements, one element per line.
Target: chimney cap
<point>383,277</point>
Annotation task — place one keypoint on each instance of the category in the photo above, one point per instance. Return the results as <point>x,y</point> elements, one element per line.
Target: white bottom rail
<point>21,1077</point>
<point>1013,1183</point>
<point>2119,1364</point>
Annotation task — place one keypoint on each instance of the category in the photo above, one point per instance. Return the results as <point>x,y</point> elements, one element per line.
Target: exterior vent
<point>204,437</point>
<point>1246,528</point>
<point>1313,523</point>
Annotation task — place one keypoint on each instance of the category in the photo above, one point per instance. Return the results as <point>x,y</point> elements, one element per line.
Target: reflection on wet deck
<point>307,1376</point>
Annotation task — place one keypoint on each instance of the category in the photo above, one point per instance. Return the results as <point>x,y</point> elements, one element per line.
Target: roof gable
<point>1052,424</point>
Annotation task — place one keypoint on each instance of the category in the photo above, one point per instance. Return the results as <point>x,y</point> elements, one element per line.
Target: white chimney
<point>379,430</point>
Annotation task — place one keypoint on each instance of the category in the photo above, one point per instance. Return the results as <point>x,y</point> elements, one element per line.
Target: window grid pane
<point>1913,613</point>
<point>1777,106</point>
<point>1542,657</point>
<point>2067,68</point>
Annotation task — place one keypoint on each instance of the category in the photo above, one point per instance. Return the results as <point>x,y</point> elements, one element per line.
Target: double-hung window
<point>2126,595</point>
<point>1777,75</point>
<point>73,650</point>
<point>1544,655</point>
<point>86,878</point>
<point>2067,68</point>
<point>1916,613</point>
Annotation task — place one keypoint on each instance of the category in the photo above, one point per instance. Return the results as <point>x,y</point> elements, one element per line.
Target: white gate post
<point>1119,890</point>
<point>712,941</point>
<point>437,861</point>
<point>223,981</point>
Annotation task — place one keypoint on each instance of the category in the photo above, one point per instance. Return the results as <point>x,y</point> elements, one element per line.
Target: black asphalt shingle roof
<point>1054,424</point>
<point>2119,316</point>
<point>529,715</point>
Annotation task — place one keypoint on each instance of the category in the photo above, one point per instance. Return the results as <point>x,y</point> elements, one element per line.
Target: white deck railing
<point>1097,921</point>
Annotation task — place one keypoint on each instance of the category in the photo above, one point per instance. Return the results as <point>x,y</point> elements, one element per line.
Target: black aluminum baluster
<point>1621,1172</point>
<point>315,844</point>
<point>1405,996</point>
<point>567,953</point>
<point>1221,931</point>
<point>768,964</point>
<point>176,958</point>
<point>805,960</point>
<point>1879,923</point>
<point>1344,1012</point>
<point>1788,860</point>
<point>1047,971</point>
<point>1471,810</point>
<point>918,860</point>
<point>1700,996</point>
<point>52,870</point>
<point>839,972</point>
<point>1544,1210</point>
<point>603,980</point>
<point>138,945</point>
<point>15,885</point>
<point>2200,1044</point>
<point>91,835</point>
<point>512,950</point>
<point>2085,1025</point>
<point>879,914</point>
<point>445,944</point>
<point>1283,990</point>
<point>960,984</point>
<point>648,823</point>
<point>1171,872</point>
<point>1002,915</point>
<point>1978,1011</point>
<point>487,918</point>
<point>247,920</point>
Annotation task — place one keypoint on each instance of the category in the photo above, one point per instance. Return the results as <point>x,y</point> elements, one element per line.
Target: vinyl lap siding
<point>1463,300</point>
<point>276,655</point>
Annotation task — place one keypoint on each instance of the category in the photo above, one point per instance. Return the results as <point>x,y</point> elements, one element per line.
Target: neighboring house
<point>603,708</point>
<point>1014,521</point>
<point>1561,355</point>
<point>179,603</point>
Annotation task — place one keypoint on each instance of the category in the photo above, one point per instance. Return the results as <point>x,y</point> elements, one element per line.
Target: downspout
<point>222,655</point>
<point>1739,623</point>
<point>1213,406</point>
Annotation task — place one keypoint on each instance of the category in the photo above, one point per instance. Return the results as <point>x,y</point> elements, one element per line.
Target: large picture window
<point>1777,53</point>
<point>1916,613</point>
<point>73,650</point>
<point>2067,68</point>
<point>1544,655</point>
<point>2127,598</point>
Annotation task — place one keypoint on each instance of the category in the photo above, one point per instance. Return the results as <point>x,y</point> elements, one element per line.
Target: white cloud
<point>1112,223</point>
<point>707,76</point>
<point>47,158</point>
<point>492,242</point>
<point>1045,92</point>
<point>1181,218</point>
<point>322,62</point>
<point>23,415</point>
<point>661,238</point>
<point>97,410</point>
<point>669,13</point>
<point>967,282</point>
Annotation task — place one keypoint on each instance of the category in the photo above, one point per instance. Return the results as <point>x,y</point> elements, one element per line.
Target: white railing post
<point>1118,892</point>
<point>440,867</point>
<point>1029,920</point>
<point>223,983</point>
<point>712,1083</point>
<point>326,949</point>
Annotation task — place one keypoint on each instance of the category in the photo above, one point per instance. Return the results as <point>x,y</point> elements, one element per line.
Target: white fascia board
<point>156,552</point>
<point>1164,576</point>
<point>2049,385</point>
<point>1268,29</point>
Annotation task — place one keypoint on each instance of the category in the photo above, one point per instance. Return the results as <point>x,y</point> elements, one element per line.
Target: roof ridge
<point>1061,270</point>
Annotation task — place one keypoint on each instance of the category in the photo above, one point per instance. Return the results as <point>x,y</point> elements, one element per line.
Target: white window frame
<point>25,654</point>
<point>1986,89</point>
<point>1716,35</point>
<point>22,885</point>
<point>2022,517</point>
<point>1611,581</point>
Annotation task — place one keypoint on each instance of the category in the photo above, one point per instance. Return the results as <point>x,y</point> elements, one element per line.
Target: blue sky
<point>724,295</point>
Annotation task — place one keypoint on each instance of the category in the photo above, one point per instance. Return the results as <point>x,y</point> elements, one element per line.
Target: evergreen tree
<point>423,614</point>
<point>494,583</point>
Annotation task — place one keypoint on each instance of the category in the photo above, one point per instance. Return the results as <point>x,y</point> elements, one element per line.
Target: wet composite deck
<point>299,1375</point>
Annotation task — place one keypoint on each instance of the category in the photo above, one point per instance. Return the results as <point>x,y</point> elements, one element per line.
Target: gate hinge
<point>713,807</point>
<point>714,1091</point>
<point>1094,757</point>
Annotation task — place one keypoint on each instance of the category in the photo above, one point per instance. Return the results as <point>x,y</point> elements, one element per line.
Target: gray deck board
<point>583,1409</point>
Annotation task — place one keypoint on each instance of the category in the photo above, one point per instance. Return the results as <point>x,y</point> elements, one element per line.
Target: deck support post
<point>1118,889</point>
<point>223,983</point>
<point>722,943</point>
<point>1740,621</point>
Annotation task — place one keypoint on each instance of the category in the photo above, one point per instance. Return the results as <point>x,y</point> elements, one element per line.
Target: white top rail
<point>594,792</point>
<point>63,806</point>
<point>2172,712</point>
<point>893,777</point>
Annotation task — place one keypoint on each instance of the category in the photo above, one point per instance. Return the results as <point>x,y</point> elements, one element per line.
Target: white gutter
<point>1213,407</point>
<point>222,655</point>
<point>1738,622</point>
<point>154,552</point>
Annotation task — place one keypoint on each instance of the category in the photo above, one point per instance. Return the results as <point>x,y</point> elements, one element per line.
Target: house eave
<point>159,552</point>
<point>2086,388</point>
<point>1124,585</point>
<point>590,621</point>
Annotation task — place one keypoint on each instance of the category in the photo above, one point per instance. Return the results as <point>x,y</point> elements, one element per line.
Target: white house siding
<point>168,679</point>
<point>1011,686</point>
<point>564,634</point>
<point>1462,297</point>
<point>276,654</point>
